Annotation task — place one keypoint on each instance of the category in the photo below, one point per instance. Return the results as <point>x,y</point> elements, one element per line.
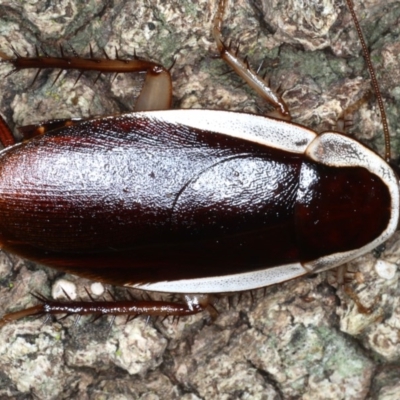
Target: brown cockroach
<point>188,201</point>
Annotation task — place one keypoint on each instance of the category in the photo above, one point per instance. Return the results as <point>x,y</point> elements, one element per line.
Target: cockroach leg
<point>190,305</point>
<point>342,277</point>
<point>243,69</point>
<point>156,93</point>
<point>345,121</point>
<point>30,131</point>
<point>6,136</point>
<point>353,295</point>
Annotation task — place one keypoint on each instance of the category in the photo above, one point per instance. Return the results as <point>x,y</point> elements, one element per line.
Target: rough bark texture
<point>310,338</point>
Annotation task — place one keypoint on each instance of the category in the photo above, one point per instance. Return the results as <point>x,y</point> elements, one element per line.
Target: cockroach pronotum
<point>188,201</point>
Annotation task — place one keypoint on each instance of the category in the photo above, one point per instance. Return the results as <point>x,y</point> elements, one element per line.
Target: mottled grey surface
<point>306,339</point>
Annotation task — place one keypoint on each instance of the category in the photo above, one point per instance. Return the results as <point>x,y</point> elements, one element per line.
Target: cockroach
<point>188,201</point>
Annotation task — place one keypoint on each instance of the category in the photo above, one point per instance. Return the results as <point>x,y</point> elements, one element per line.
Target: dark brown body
<point>129,200</point>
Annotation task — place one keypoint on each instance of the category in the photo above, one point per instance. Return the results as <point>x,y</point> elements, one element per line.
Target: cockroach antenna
<point>374,81</point>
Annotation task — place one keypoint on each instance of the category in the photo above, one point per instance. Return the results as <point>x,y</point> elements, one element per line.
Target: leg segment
<point>191,304</point>
<point>156,92</point>
<point>243,69</point>
<point>6,137</point>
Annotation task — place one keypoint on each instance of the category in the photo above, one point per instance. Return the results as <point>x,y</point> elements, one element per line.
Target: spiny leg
<point>243,69</point>
<point>190,305</point>
<point>156,93</point>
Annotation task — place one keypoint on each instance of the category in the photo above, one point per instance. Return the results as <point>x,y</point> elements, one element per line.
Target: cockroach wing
<point>182,201</point>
